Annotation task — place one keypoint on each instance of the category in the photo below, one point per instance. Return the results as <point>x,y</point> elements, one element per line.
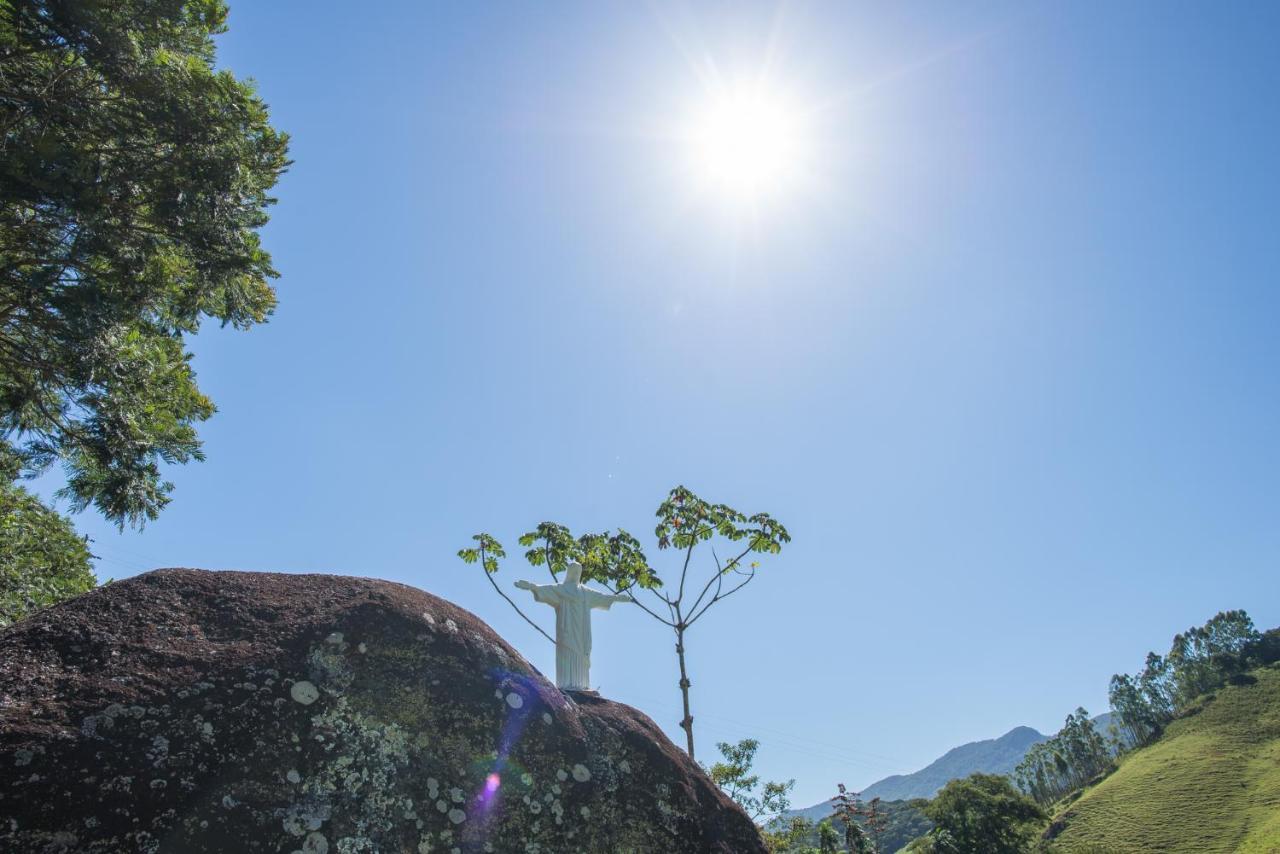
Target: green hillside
<point>1211,783</point>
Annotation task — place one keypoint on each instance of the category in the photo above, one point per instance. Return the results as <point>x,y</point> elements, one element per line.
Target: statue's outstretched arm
<point>603,601</point>
<point>547,594</point>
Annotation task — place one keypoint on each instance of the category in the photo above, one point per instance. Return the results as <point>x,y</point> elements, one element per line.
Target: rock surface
<point>191,711</point>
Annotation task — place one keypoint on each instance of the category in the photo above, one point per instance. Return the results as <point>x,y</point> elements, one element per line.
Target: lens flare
<point>487,799</point>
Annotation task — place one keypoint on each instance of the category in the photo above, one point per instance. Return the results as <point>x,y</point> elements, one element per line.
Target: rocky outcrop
<point>190,711</point>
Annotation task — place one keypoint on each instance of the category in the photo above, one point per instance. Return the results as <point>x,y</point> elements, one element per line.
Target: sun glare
<point>748,143</point>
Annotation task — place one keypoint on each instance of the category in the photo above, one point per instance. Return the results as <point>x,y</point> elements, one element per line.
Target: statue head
<point>573,573</point>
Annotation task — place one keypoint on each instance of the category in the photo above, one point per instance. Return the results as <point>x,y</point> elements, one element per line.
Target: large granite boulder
<point>190,711</point>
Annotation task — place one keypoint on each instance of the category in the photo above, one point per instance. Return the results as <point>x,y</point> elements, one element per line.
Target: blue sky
<point>1005,361</point>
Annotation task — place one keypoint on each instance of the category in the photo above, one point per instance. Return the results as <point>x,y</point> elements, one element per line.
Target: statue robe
<point>573,603</point>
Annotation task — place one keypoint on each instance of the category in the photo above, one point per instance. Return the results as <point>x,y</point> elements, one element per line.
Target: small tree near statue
<point>848,809</point>
<point>617,563</point>
<point>733,774</point>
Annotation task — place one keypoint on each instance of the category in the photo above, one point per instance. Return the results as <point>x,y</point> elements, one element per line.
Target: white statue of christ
<point>573,602</point>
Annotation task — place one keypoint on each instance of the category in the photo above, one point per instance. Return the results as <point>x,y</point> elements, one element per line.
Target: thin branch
<point>502,593</point>
<point>718,597</point>
<point>684,570</point>
<point>717,578</point>
<point>619,592</point>
<point>651,613</point>
<point>671,609</point>
<point>665,600</point>
<point>547,551</point>
<point>733,564</point>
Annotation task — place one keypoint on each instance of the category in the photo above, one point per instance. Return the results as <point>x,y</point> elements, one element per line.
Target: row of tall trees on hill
<point>1200,659</point>
<point>1067,761</point>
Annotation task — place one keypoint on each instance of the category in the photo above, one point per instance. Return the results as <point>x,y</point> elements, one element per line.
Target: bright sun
<point>748,143</point>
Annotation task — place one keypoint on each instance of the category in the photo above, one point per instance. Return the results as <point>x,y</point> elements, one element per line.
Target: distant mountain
<point>815,813</point>
<point>992,756</point>
<point>1103,723</point>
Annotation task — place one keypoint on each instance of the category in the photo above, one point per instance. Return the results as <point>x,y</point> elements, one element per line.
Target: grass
<point>1210,784</point>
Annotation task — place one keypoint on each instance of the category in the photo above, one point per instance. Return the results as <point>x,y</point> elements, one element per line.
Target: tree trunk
<point>687,723</point>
